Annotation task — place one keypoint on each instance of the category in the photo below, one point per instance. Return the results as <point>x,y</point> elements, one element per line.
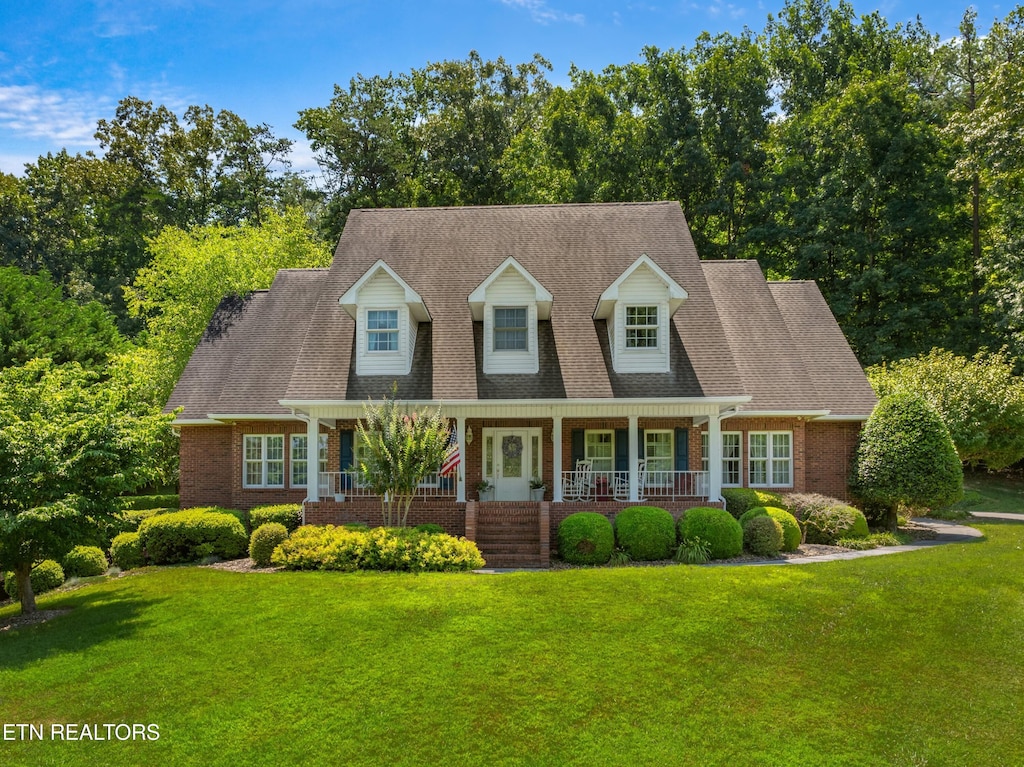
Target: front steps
<point>509,534</point>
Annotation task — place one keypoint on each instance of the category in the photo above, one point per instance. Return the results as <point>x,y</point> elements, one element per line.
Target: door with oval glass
<point>515,458</point>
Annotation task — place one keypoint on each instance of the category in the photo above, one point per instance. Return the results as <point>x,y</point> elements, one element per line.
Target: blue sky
<point>64,65</point>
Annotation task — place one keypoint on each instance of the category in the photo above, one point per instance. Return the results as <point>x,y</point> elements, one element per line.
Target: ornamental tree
<point>980,400</point>
<point>69,445</point>
<point>906,456</point>
<point>399,450</point>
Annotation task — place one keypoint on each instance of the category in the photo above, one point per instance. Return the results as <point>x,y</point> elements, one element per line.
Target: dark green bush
<point>126,551</point>
<point>738,500</point>
<point>717,527</point>
<point>85,562</point>
<point>287,514</point>
<point>339,548</point>
<point>762,536</point>
<point>585,538</point>
<point>791,533</point>
<point>645,533</point>
<point>129,520</point>
<point>829,524</point>
<point>429,527</point>
<point>46,576</point>
<point>264,540</point>
<point>144,502</point>
<point>188,536</point>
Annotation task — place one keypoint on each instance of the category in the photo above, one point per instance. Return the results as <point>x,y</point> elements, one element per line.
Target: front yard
<point>910,659</point>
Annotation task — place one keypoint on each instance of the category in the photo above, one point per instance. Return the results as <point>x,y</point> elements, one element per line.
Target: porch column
<point>714,458</point>
<point>634,458</point>
<point>312,458</point>
<point>556,459</point>
<point>460,482</point>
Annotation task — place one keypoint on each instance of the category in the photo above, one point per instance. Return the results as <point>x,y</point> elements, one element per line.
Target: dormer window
<point>641,327</point>
<point>382,330</point>
<point>510,328</point>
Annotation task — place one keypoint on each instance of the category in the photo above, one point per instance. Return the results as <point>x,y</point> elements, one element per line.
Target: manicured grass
<point>909,659</point>
<point>1003,493</point>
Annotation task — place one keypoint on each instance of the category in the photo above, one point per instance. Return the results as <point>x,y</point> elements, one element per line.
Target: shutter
<point>622,450</point>
<point>578,452</point>
<point>345,451</point>
<point>682,450</point>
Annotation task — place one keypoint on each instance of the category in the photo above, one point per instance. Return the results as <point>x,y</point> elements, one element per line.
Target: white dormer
<point>509,303</point>
<point>637,308</point>
<point>387,312</point>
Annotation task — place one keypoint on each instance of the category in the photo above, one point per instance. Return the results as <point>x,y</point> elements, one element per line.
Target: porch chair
<point>621,483</point>
<point>578,485</point>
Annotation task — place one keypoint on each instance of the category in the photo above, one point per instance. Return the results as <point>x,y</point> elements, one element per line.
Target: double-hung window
<point>382,330</point>
<point>770,457</point>
<point>641,327</point>
<point>510,329</point>
<point>658,452</point>
<point>263,460</point>
<point>599,449</point>
<point>300,458</point>
<point>732,472</point>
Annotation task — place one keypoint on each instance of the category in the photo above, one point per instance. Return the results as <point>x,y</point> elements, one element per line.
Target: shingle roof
<point>575,251</point>
<point>735,334</point>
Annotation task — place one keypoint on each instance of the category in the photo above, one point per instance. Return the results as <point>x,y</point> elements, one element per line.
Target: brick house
<point>585,347</point>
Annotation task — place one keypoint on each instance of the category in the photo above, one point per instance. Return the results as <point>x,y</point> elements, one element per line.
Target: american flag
<point>452,458</point>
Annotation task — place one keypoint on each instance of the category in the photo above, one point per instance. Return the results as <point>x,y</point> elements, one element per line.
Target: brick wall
<point>830,449</point>
<point>442,511</point>
<point>205,466</point>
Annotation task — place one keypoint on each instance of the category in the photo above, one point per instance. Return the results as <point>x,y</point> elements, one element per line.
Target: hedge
<point>645,533</point>
<point>189,536</point>
<point>287,514</point>
<point>717,527</point>
<point>585,538</point>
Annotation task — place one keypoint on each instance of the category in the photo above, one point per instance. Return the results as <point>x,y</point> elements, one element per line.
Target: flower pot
<point>487,495</point>
<point>536,493</point>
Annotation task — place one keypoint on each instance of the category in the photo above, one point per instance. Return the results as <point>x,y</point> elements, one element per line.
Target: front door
<point>511,464</point>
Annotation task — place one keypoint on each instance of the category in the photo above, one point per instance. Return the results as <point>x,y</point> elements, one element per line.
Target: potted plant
<point>485,489</point>
<point>537,489</point>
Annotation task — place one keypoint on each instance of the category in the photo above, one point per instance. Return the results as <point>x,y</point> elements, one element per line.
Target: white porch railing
<point>614,485</point>
<point>334,484</point>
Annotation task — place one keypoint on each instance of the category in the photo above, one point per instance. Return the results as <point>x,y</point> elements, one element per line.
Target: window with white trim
<point>770,456</point>
<point>510,329</point>
<point>705,462</point>
<point>732,452</point>
<point>263,460</point>
<point>599,448</point>
<point>641,327</point>
<point>300,458</point>
<point>382,330</point>
<point>658,452</point>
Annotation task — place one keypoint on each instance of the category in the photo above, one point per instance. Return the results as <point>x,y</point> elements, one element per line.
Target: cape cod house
<point>585,348</point>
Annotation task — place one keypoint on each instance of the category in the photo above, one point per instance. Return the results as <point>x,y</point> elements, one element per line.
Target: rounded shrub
<point>85,561</point>
<point>431,528</point>
<point>126,551</point>
<point>645,533</point>
<point>791,533</point>
<point>738,500</point>
<point>264,540</point>
<point>188,536</point>
<point>830,523</point>
<point>715,526</point>
<point>762,536</point>
<point>585,538</point>
<point>46,576</point>
<point>287,514</point>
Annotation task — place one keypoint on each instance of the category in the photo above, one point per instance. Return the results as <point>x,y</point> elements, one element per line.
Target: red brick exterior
<point>831,446</point>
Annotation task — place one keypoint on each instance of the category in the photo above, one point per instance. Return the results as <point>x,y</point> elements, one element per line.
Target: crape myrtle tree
<point>69,445</point>
<point>399,450</point>
<point>906,455</point>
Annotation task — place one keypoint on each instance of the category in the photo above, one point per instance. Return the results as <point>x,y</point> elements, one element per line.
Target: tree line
<point>875,158</point>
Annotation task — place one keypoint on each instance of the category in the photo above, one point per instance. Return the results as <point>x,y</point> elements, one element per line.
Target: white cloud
<point>542,14</point>
<point>63,118</point>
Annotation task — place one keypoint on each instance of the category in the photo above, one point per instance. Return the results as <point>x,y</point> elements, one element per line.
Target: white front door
<point>512,460</point>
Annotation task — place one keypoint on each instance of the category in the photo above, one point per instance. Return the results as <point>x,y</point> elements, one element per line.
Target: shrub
<point>188,536</point>
<point>693,552</point>
<point>264,540</point>
<point>791,532</point>
<point>338,548</point>
<point>46,576</point>
<point>126,551</point>
<point>129,520</point>
<point>431,528</point>
<point>829,524</point>
<point>738,500</point>
<point>287,514</point>
<point>85,561</point>
<point>146,502</point>
<point>802,504</point>
<point>717,527</point>
<point>585,538</point>
<point>762,536</point>
<point>646,533</point>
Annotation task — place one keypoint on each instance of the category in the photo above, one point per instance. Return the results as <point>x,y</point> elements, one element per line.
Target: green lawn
<point>910,659</point>
<point>992,492</point>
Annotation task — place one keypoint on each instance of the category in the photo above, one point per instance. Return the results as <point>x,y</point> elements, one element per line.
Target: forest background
<point>876,159</point>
